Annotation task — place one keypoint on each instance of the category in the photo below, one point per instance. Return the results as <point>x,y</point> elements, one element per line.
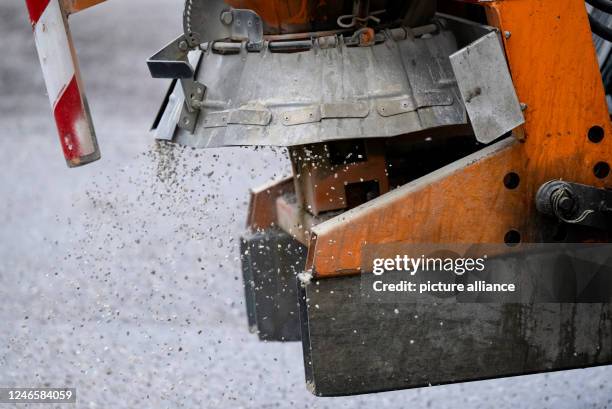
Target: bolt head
<point>183,45</point>
<point>566,203</point>
<point>507,34</point>
<point>227,17</point>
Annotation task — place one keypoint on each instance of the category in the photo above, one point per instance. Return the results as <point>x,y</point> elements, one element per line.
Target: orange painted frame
<point>262,205</point>
<point>74,6</point>
<point>555,72</point>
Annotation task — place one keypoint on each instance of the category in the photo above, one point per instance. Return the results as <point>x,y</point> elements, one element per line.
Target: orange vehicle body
<point>554,67</point>
<point>555,71</point>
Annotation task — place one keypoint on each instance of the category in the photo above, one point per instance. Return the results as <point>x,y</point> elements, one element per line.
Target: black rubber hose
<point>600,29</point>
<point>603,5</point>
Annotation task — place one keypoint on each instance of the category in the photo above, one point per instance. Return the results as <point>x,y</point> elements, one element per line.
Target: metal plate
<point>355,343</point>
<point>330,94</point>
<point>210,20</point>
<point>318,112</point>
<point>171,62</point>
<point>174,105</point>
<point>166,122</point>
<point>202,21</point>
<point>241,116</point>
<point>271,260</point>
<point>486,88</point>
<point>407,103</point>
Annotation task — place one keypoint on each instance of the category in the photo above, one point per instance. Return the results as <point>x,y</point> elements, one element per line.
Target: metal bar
<point>262,206</point>
<point>62,78</point>
<point>353,345</point>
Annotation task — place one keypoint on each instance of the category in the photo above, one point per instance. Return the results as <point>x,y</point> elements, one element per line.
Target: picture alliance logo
<point>433,263</point>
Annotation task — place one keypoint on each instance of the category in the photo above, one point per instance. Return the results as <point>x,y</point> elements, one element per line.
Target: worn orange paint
<point>322,186</point>
<point>74,6</point>
<point>555,72</point>
<point>262,206</point>
<point>277,13</point>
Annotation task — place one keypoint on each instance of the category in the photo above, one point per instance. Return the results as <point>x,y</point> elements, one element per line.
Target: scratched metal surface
<point>291,88</point>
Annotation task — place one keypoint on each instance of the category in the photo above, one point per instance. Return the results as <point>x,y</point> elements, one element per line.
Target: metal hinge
<point>174,61</point>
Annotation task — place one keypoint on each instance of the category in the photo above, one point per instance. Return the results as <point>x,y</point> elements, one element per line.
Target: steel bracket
<point>171,61</point>
<point>245,25</point>
<point>194,95</point>
<point>316,113</point>
<point>203,22</point>
<point>175,61</point>
<point>243,116</point>
<point>575,203</point>
<point>406,103</point>
<point>486,87</point>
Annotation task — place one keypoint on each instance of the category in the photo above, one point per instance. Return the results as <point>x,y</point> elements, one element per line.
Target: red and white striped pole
<point>63,80</point>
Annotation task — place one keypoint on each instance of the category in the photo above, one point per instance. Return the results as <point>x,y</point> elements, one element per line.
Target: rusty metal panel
<point>262,205</point>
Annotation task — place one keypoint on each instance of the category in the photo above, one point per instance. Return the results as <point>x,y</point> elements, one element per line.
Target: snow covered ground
<point>121,278</point>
